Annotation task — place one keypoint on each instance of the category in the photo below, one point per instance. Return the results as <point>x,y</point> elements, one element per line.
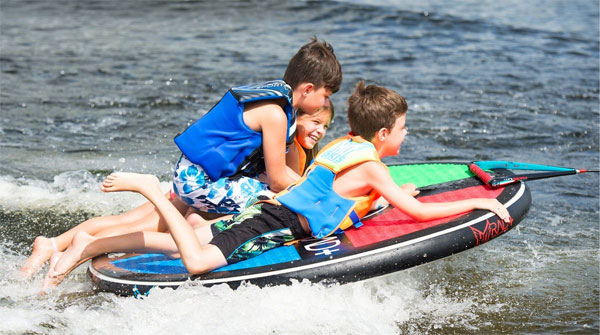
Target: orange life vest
<point>313,196</point>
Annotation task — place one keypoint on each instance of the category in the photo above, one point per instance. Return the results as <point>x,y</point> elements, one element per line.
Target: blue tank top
<point>221,142</point>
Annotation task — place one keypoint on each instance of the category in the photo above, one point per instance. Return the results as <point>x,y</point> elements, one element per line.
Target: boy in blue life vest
<point>247,132</point>
<point>244,136</point>
<point>342,184</point>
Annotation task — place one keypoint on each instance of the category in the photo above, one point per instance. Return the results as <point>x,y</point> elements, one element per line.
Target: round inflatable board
<point>388,241</point>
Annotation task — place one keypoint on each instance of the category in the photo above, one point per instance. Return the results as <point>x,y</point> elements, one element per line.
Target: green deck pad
<point>429,174</point>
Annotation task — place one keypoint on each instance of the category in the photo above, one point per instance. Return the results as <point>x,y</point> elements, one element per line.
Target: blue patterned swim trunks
<point>225,196</point>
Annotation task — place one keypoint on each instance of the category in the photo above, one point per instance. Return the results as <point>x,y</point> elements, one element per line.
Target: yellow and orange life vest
<point>313,196</point>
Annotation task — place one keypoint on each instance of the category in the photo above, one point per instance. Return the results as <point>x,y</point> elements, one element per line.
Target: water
<point>91,87</point>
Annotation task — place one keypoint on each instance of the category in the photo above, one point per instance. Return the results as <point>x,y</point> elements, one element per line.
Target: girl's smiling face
<point>312,127</point>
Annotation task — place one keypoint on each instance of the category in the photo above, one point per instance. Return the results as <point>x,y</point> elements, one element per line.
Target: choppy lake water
<point>88,87</point>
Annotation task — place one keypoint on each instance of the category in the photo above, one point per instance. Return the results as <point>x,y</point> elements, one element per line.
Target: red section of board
<point>394,223</point>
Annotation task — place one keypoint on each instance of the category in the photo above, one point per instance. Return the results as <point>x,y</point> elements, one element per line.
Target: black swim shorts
<point>258,228</point>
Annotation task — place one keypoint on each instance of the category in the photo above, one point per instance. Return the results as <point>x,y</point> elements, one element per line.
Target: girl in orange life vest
<point>377,117</point>
<point>310,129</point>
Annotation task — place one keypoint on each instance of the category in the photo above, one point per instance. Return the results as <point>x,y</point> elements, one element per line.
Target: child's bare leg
<point>198,220</point>
<point>196,257</point>
<point>85,246</point>
<point>151,222</point>
<point>97,224</point>
<point>53,260</point>
<point>144,217</point>
<point>43,246</point>
<point>133,182</point>
<point>42,250</point>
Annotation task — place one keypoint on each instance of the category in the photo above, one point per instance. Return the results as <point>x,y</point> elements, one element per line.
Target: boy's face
<point>314,98</point>
<point>393,142</point>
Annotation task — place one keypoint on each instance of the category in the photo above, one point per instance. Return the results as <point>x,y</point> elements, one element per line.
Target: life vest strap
<point>355,219</point>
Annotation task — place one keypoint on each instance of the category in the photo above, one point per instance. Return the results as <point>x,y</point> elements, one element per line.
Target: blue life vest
<point>313,196</point>
<point>221,142</point>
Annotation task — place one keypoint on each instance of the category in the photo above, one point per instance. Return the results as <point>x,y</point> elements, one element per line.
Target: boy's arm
<point>273,123</point>
<point>379,178</point>
<point>408,188</point>
<point>292,159</point>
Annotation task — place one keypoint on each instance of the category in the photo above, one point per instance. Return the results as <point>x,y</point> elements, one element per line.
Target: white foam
<point>72,190</point>
<point>298,309</point>
<point>407,301</point>
<point>22,320</point>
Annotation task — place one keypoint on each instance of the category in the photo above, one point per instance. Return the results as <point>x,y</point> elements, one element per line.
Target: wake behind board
<point>388,241</point>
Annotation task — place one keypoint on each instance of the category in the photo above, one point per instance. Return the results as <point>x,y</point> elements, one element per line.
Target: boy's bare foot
<point>127,181</point>
<point>42,250</point>
<point>62,264</point>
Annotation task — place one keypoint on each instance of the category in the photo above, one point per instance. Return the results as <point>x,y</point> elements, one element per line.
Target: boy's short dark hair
<point>314,63</point>
<point>373,107</point>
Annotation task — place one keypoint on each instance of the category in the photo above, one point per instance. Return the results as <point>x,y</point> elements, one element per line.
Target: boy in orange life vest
<point>347,174</point>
